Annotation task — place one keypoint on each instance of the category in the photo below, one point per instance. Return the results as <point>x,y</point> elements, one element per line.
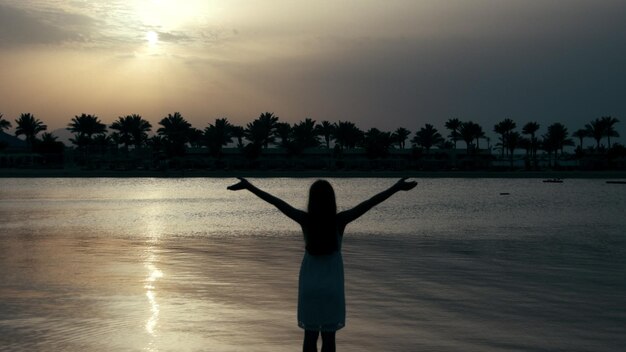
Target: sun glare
<point>152,37</point>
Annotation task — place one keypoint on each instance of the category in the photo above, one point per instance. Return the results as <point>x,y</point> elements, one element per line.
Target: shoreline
<point>78,173</point>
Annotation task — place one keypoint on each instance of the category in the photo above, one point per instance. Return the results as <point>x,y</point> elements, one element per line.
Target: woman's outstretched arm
<point>293,213</point>
<point>350,215</point>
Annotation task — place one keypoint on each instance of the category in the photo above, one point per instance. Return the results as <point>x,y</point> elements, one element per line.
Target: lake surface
<point>185,265</point>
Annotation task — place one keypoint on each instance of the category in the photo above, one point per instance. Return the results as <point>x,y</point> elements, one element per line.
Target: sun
<point>152,37</point>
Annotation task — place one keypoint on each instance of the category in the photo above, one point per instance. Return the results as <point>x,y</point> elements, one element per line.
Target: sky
<point>384,64</point>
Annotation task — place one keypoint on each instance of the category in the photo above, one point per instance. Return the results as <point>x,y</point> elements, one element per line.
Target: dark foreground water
<point>184,265</point>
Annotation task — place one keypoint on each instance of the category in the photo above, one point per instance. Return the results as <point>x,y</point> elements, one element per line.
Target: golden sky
<point>380,64</point>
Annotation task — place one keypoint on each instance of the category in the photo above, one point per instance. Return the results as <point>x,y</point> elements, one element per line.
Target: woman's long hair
<point>321,233</point>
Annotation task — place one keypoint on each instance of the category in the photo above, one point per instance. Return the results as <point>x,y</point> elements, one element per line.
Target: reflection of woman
<point>321,300</point>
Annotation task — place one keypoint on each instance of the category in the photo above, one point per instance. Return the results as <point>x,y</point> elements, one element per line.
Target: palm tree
<point>504,128</point>
<point>262,129</point>
<point>347,135</point>
<point>376,143</point>
<point>218,135</point>
<point>196,138</point>
<point>238,132</point>
<point>326,130</point>
<point>256,133</point>
<point>453,125</point>
<point>304,135</point>
<point>427,136</point>
<point>597,130</point>
<point>513,140</point>
<point>122,136</point>
<point>86,128</point>
<point>29,126</point>
<point>580,134</point>
<point>132,130</point>
<point>609,130</point>
<point>176,131</point>
<point>531,129</point>
<point>400,136</point>
<point>479,134</point>
<point>4,124</point>
<point>86,125</point>
<point>468,132</point>
<point>283,131</point>
<point>558,137</point>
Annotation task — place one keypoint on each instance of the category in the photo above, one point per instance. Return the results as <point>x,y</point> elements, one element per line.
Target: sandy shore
<point>66,173</point>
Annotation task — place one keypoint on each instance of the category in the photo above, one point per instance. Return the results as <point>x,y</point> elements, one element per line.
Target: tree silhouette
<point>304,135</point>
<point>256,133</point>
<point>326,130</point>
<point>4,124</point>
<point>400,135</point>
<point>479,134</point>
<point>531,129</point>
<point>596,129</point>
<point>132,130</point>
<point>556,139</point>
<point>504,128</point>
<point>86,125</point>
<point>196,138</point>
<point>580,134</point>
<point>239,133</point>
<point>89,134</point>
<point>176,132</point>
<point>261,130</point>
<point>283,131</point>
<point>468,132</point>
<point>347,135</point>
<point>513,140</point>
<point>218,135</point>
<point>453,125</point>
<point>29,126</point>
<point>609,129</point>
<point>376,143</point>
<point>427,136</point>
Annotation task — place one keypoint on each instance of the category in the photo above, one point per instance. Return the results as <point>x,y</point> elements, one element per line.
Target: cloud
<point>173,37</point>
<point>22,27</point>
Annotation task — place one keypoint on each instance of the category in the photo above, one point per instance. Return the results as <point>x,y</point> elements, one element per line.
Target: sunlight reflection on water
<point>153,275</point>
<point>154,226</point>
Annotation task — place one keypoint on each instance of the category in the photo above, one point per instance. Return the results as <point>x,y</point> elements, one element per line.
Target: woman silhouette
<point>321,300</point>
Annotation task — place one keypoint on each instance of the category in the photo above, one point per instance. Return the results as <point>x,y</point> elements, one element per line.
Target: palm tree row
<point>175,134</point>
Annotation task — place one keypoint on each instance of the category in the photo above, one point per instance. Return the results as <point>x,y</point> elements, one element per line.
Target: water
<point>184,265</point>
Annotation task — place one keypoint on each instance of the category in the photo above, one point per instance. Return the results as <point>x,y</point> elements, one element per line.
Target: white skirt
<point>321,297</point>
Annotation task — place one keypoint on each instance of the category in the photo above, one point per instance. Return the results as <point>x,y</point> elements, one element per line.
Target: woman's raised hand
<point>242,184</point>
<point>403,185</point>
